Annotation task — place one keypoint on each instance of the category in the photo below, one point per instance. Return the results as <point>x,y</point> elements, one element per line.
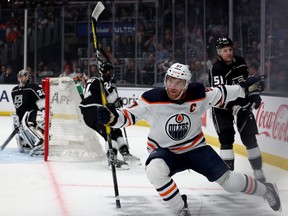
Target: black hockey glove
<point>252,84</point>
<point>255,98</point>
<point>118,103</point>
<point>107,114</point>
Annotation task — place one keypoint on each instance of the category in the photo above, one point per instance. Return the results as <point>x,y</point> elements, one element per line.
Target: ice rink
<point>29,186</point>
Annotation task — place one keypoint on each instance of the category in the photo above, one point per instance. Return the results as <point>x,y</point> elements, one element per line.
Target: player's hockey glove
<point>255,98</point>
<point>107,114</point>
<point>252,84</point>
<point>118,103</point>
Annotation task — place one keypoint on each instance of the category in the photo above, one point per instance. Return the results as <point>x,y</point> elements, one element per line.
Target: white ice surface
<point>30,186</point>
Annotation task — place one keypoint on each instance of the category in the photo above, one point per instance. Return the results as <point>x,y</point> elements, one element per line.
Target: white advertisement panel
<point>6,104</point>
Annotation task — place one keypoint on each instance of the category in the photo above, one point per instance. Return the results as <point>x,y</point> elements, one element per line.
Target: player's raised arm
<point>221,94</point>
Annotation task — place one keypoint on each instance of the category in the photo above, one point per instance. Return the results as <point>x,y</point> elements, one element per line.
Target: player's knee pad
<point>157,172</point>
<point>232,181</point>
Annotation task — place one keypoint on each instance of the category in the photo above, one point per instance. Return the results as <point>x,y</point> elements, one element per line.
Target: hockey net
<point>66,136</point>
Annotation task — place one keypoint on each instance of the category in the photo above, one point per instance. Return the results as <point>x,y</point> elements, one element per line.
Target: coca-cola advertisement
<point>273,123</point>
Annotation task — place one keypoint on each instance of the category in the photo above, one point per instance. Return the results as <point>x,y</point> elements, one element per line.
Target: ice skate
<point>21,145</point>
<point>272,197</point>
<point>259,175</point>
<point>131,159</point>
<point>119,165</point>
<point>37,150</point>
<point>184,211</point>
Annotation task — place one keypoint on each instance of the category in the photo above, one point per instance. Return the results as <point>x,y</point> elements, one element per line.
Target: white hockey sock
<point>158,173</point>
<point>227,154</point>
<point>237,182</point>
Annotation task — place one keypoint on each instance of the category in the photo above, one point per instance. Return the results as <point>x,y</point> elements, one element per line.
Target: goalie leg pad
<point>21,145</point>
<point>32,136</point>
<point>15,120</point>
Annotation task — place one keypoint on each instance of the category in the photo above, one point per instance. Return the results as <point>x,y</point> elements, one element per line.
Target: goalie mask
<point>181,72</point>
<point>23,77</point>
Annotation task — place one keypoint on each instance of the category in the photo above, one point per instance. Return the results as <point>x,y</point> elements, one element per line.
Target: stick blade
<point>99,8</point>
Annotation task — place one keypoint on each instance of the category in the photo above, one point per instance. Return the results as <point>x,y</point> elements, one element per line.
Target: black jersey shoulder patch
<point>195,91</point>
<point>156,95</point>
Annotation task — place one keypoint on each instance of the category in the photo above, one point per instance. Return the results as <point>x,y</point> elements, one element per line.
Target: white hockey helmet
<point>23,77</point>
<point>179,71</point>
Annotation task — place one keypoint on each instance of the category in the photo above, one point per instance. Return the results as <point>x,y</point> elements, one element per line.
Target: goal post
<point>66,136</point>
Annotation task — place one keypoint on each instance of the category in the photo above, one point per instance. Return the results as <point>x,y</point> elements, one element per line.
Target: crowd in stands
<point>157,46</point>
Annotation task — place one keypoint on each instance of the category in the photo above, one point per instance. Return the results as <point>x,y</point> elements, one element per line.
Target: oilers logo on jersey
<point>177,126</point>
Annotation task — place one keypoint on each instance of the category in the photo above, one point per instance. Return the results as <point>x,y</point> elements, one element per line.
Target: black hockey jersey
<point>28,98</point>
<point>92,91</point>
<point>223,74</point>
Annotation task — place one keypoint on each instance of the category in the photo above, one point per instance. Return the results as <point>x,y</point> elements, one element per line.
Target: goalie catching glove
<point>106,114</point>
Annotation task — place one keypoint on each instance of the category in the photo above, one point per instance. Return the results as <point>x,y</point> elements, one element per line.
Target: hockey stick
<point>240,129</point>
<point>99,8</point>
<point>108,60</point>
<point>15,131</point>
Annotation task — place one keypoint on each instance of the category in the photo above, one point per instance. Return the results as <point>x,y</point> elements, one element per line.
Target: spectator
<point>3,70</point>
<point>147,72</point>
<point>198,73</point>
<point>253,69</point>
<point>279,80</point>
<point>67,72</point>
<point>45,73</point>
<point>9,77</point>
<point>13,35</point>
<point>162,53</point>
<point>79,81</point>
<point>130,71</point>
<point>118,45</point>
<point>168,40</point>
<point>129,47</point>
<point>93,71</point>
<point>140,37</point>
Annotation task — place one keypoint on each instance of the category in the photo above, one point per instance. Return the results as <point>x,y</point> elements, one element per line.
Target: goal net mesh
<point>68,138</point>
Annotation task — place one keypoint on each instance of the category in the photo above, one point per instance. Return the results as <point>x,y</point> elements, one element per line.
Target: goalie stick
<point>99,8</point>
<point>15,131</point>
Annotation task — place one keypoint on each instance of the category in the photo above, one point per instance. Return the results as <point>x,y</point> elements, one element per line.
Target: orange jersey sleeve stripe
<point>127,117</point>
